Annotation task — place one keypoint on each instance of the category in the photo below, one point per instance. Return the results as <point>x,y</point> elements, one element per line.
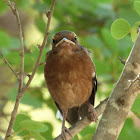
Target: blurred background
<point>91,21</point>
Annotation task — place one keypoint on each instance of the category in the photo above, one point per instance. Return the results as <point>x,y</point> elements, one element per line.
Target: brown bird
<point>71,79</point>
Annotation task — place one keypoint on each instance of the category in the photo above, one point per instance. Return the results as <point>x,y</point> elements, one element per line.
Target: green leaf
<point>137,6</point>
<point>134,33</point>
<point>120,28</point>
<point>37,136</point>
<point>87,137</point>
<point>128,13</point>
<point>33,126</point>
<point>17,128</point>
<point>136,105</point>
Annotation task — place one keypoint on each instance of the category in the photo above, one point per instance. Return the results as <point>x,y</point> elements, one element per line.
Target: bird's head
<point>65,42</point>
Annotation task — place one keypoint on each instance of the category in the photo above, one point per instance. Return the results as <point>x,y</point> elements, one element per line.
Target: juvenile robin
<point>71,79</point>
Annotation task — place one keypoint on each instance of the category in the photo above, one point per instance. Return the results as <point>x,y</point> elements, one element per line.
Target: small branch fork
<point>4,59</point>
<point>121,59</point>
<point>22,74</point>
<point>133,81</point>
<point>15,12</point>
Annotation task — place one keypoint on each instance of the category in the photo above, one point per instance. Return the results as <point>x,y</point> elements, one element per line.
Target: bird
<point>70,77</point>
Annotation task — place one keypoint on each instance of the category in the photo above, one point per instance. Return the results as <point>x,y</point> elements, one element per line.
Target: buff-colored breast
<point>69,78</point>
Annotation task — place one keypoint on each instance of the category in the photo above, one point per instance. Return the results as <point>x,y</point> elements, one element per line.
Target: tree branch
<point>42,46</point>
<point>80,125</point>
<point>22,90</point>
<point>15,12</point>
<point>122,61</point>
<point>121,100</point>
<point>4,59</point>
<point>133,81</point>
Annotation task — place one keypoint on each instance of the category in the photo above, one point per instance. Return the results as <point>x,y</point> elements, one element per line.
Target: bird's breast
<point>69,80</point>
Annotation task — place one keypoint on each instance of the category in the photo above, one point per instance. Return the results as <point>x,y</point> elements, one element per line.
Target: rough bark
<point>122,97</point>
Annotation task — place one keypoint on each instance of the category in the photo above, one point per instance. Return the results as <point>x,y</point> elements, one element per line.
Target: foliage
<point>120,28</point>
<point>94,22</point>
<point>26,127</point>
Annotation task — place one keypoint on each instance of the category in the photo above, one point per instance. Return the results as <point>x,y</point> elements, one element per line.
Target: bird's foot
<point>92,113</point>
<point>63,133</point>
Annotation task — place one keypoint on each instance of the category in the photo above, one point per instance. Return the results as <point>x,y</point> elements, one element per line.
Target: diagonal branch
<point>4,59</point>
<point>49,15</point>
<point>21,89</point>
<point>121,98</point>
<point>80,125</point>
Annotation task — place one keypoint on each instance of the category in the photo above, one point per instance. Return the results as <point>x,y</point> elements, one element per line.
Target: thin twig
<point>22,49</point>
<point>4,59</point>
<point>43,63</point>
<point>80,125</point>
<point>25,74</point>
<point>21,92</point>
<point>122,61</point>
<point>42,46</point>
<point>133,81</point>
<point>14,112</point>
<point>15,12</point>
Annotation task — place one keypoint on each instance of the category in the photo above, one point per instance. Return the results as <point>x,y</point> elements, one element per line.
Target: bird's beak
<point>65,40</point>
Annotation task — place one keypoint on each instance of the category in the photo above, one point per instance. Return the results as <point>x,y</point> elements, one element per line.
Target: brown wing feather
<point>94,90</point>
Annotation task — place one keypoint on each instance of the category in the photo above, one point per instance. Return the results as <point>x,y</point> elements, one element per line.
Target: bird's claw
<point>64,130</point>
<point>93,114</point>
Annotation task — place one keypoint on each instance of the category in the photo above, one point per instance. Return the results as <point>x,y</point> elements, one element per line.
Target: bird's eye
<point>75,38</point>
<point>53,41</point>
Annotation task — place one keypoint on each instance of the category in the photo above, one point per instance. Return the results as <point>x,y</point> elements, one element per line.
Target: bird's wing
<point>94,89</point>
<point>83,110</point>
<point>94,80</point>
